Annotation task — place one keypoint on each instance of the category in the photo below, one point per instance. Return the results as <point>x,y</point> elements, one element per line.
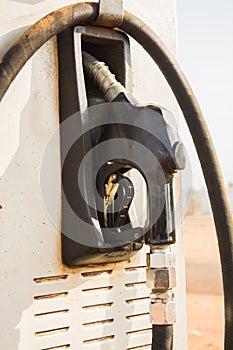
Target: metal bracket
<point>111,13</point>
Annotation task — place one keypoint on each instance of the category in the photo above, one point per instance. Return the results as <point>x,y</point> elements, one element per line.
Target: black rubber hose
<point>38,34</point>
<point>206,153</point>
<point>162,337</point>
<point>85,13</point>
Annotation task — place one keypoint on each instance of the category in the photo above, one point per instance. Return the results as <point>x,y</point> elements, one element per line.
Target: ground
<point>204,285</point>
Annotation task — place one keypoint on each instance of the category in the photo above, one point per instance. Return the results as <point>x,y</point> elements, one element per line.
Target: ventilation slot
<point>97,323</point>
<point>100,289</point>
<point>142,347</point>
<point>51,296</point>
<point>50,278</point>
<point>96,273</point>
<point>136,284</point>
<point>51,331</point>
<point>97,306</point>
<point>95,340</point>
<point>51,313</point>
<point>130,317</point>
<point>134,268</point>
<point>135,300</point>
<point>59,347</point>
<point>138,332</point>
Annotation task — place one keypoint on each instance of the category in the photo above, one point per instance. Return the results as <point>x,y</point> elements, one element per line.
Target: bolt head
<point>162,278</point>
<point>163,313</point>
<point>160,259</point>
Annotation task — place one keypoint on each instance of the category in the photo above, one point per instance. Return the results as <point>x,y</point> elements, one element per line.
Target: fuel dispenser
<point>106,137</point>
<point>113,134</point>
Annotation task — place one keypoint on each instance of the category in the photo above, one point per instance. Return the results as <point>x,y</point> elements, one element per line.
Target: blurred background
<point>205,53</point>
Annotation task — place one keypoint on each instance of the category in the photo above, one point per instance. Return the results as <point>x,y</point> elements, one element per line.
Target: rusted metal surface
<point>161,278</point>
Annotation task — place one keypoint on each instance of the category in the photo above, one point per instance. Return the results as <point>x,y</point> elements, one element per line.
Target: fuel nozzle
<point>159,135</point>
<point>162,140</point>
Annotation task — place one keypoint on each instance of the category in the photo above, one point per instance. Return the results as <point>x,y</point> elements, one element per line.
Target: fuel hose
<point>85,13</point>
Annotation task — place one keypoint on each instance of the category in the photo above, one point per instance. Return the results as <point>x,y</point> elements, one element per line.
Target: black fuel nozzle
<point>153,127</point>
<point>123,135</point>
<point>100,223</point>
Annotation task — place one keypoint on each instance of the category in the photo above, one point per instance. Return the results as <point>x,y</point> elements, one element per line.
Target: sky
<point>205,53</point>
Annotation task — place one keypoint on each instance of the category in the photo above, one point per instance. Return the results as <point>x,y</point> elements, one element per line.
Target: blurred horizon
<point>205,54</point>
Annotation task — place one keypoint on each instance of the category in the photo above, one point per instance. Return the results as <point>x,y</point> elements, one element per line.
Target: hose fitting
<point>161,279</point>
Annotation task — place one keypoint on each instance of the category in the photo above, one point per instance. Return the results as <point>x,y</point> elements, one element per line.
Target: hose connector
<point>161,279</point>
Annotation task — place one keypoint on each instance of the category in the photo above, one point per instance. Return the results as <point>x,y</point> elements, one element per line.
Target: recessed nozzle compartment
<point>76,93</point>
<point>111,47</point>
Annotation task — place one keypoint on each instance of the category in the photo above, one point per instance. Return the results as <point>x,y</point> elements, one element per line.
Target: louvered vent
<point>139,332</point>
<point>102,308</point>
<point>52,323</point>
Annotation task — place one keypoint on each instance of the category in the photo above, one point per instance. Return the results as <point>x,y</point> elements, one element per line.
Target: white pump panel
<point>44,305</point>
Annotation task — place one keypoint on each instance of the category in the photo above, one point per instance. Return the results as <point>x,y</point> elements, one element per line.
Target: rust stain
<point>87,268</point>
<point>96,272</point>
<point>49,278</point>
